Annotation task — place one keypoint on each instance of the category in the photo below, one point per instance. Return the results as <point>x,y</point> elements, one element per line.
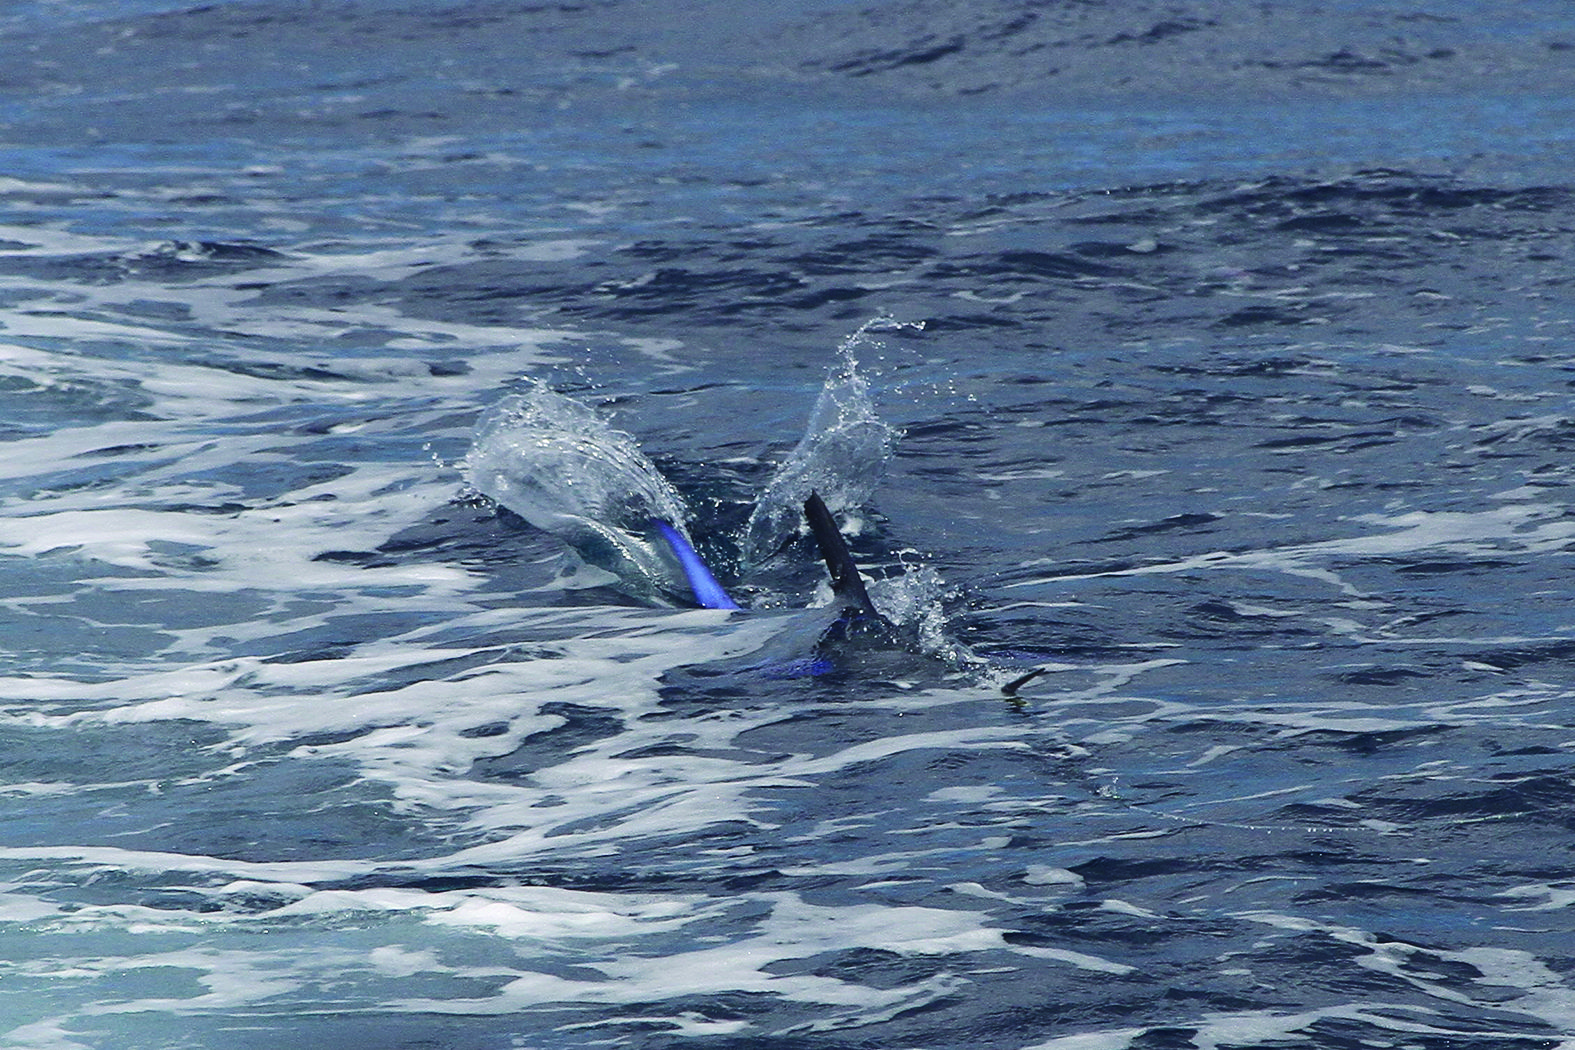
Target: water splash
<point>841,455</point>
<point>913,599</point>
<point>558,465</point>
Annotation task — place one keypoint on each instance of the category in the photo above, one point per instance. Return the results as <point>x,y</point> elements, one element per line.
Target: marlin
<point>857,613</point>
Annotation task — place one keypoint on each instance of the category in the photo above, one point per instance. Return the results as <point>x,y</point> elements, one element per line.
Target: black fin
<point>846,583</point>
<point>1011,688</point>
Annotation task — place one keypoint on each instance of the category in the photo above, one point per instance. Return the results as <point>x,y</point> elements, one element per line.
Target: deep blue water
<point>1229,380</point>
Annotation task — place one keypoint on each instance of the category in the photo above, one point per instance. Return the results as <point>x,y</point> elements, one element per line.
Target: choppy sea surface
<point>1214,359</point>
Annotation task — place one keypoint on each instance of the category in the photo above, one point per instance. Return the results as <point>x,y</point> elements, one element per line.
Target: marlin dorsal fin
<point>846,583</point>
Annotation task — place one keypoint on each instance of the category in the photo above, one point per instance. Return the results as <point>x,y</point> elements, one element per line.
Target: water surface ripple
<point>1241,405</point>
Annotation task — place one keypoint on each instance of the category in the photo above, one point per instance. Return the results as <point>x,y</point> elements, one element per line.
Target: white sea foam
<point>792,930</point>
<point>196,535</point>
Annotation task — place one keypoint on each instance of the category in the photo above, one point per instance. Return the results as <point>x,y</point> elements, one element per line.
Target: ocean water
<point>1211,359</point>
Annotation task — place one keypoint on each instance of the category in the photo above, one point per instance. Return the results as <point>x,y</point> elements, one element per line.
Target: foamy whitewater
<point>1212,360</point>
